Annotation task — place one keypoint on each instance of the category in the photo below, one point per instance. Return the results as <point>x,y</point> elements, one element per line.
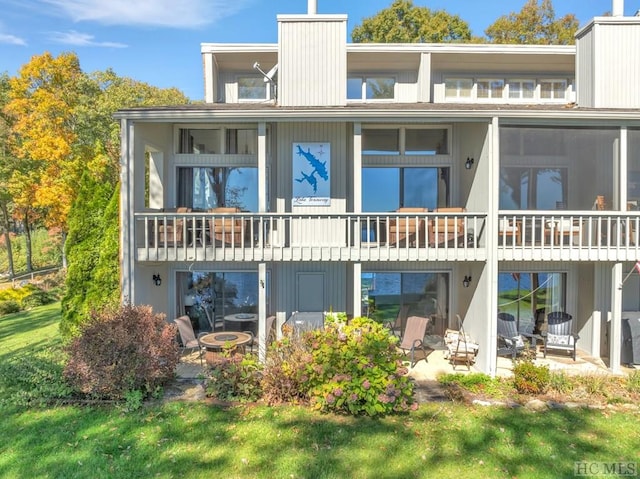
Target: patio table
<point>214,342</point>
<point>243,321</point>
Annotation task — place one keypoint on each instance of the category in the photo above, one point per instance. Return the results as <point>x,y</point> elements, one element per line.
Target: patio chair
<point>562,232</point>
<point>270,337</point>
<point>408,228</point>
<point>413,337</point>
<point>447,229</point>
<point>460,347</point>
<point>559,334</point>
<point>225,228</point>
<point>188,338</point>
<point>509,231</point>
<point>171,231</point>
<point>395,326</point>
<point>510,341</point>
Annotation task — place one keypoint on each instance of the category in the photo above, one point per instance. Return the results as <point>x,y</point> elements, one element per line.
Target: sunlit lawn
<point>192,440</point>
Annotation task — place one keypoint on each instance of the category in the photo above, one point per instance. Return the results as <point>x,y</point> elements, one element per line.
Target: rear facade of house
<point>437,179</point>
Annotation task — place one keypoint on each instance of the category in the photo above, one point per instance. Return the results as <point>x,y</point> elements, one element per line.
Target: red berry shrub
<point>122,350</point>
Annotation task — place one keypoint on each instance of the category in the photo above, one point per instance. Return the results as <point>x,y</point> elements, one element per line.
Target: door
<point>310,292</point>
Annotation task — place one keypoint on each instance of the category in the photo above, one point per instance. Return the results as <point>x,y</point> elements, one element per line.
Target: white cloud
<point>79,39</point>
<point>160,13</point>
<point>12,39</point>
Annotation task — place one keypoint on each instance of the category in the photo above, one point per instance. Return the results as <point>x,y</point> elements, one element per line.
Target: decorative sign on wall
<point>311,167</point>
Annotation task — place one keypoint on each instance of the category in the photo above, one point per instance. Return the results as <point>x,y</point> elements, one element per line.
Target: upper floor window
<point>458,87</point>
<point>371,88</point>
<point>522,89</point>
<point>490,88</point>
<point>210,187</point>
<point>252,88</point>
<point>553,89</point>
<point>237,141</point>
<point>414,141</point>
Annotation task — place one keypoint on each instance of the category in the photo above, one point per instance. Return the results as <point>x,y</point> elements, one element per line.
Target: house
<point>436,179</point>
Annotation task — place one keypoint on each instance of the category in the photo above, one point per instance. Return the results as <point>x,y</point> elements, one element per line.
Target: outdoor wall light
<point>469,163</point>
<point>466,281</point>
<point>157,280</point>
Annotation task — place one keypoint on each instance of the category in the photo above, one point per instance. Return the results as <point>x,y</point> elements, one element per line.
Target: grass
<point>193,440</point>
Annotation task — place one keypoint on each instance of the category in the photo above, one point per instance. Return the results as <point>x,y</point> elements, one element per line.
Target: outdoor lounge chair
<point>226,228</point>
<point>460,347</point>
<point>395,326</point>
<point>171,231</point>
<point>407,228</point>
<point>560,333</point>
<point>413,337</point>
<point>510,341</point>
<point>447,229</point>
<point>189,340</point>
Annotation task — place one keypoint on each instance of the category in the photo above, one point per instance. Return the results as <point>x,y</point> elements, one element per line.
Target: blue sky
<point>158,41</point>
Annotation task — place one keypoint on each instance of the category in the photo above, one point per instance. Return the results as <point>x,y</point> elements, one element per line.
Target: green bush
<point>632,383</point>
<point>234,377</point>
<point>37,298</point>
<point>357,369</point>
<point>284,375</point>
<point>529,378</point>
<point>559,381</point>
<point>35,379</point>
<point>122,350</point>
<point>9,306</point>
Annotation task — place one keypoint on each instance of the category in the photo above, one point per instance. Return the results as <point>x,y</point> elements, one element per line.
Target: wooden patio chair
<point>225,228</point>
<point>460,347</point>
<point>171,231</point>
<point>510,341</point>
<point>444,230</point>
<point>408,228</point>
<point>559,334</point>
<point>509,231</point>
<point>413,337</point>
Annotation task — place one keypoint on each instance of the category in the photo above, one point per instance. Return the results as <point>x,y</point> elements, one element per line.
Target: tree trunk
<point>7,238</point>
<point>27,231</point>
<point>64,249</point>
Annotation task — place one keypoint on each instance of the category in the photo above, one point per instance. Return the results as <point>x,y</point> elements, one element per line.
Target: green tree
<point>403,22</point>
<point>535,24</point>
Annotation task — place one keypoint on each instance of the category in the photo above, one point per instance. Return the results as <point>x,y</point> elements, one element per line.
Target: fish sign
<point>311,186</point>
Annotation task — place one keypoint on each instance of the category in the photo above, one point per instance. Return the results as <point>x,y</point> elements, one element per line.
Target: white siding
<point>585,70</point>
<point>312,60</point>
<point>406,87</point>
<point>618,66</point>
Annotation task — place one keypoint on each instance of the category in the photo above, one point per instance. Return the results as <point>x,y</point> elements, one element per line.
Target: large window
<point>533,188</point>
<point>252,89</point>
<point>529,296</point>
<point>633,165</point>
<point>388,188</point>
<point>211,187</point>
<point>416,141</point>
<point>513,89</point>
<point>220,293</point>
<point>421,294</point>
<point>371,88</point>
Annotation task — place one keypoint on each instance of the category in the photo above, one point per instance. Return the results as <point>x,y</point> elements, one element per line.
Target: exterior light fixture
<point>157,280</point>
<point>466,281</point>
<point>469,163</point>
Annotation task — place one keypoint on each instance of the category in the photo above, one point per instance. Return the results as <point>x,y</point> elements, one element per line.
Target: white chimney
<point>617,8</point>
<point>312,7</point>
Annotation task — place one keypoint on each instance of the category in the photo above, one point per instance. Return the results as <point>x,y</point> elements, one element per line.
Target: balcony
<point>568,236</point>
<point>421,236</point>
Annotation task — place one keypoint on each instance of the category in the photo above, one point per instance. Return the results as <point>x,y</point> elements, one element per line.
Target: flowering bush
<point>122,350</point>
<point>356,369</point>
<point>234,377</point>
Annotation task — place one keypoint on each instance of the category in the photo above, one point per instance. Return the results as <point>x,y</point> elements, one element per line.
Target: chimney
<point>312,7</point>
<point>617,9</point>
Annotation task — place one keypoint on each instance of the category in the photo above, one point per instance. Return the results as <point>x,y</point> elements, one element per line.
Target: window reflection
<point>204,188</point>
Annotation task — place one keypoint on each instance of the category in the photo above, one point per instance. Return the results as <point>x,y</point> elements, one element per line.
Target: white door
<point>310,292</point>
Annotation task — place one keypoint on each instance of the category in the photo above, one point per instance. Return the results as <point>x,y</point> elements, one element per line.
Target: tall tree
<point>6,168</point>
<point>403,22</point>
<point>535,24</point>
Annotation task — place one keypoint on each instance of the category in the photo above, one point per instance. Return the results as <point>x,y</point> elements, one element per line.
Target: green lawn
<point>192,440</point>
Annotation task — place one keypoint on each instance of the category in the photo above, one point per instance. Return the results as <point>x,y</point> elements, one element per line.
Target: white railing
<point>569,235</point>
<point>274,236</point>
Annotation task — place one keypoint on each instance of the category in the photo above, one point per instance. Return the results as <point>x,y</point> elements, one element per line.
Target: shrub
<point>37,298</point>
<point>529,378</point>
<point>122,350</point>
<point>9,306</point>
<point>234,377</point>
<point>35,379</point>
<point>357,369</point>
<point>633,382</point>
<point>284,377</point>
<point>561,382</point>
